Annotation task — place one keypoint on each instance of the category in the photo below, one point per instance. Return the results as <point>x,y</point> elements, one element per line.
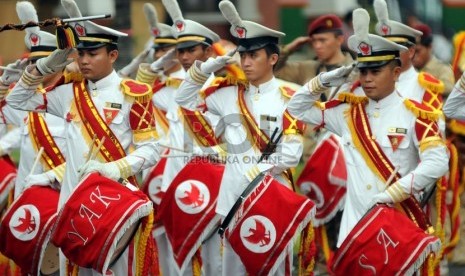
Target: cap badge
<point>240,31</point>
<point>80,30</point>
<point>34,39</point>
<point>365,49</point>
<point>155,31</point>
<point>329,23</point>
<point>385,29</point>
<point>179,25</point>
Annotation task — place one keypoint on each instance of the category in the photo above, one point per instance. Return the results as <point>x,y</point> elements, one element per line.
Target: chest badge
<point>395,140</point>
<point>109,114</point>
<point>110,111</point>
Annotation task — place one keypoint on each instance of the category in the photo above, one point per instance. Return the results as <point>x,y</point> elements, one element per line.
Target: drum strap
<point>378,162</point>
<point>40,135</point>
<point>258,138</point>
<point>160,117</point>
<point>199,128</point>
<point>111,149</point>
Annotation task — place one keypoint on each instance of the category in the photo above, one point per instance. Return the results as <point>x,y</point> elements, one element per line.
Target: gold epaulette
<point>457,127</point>
<point>220,82</point>
<point>350,98</point>
<point>173,82</point>
<point>287,91</point>
<point>69,77</point>
<point>421,110</point>
<point>431,83</point>
<point>140,91</point>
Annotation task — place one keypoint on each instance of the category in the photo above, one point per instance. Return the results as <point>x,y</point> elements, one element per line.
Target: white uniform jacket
<point>454,107</point>
<point>267,104</point>
<point>28,152</point>
<point>420,162</point>
<point>60,102</point>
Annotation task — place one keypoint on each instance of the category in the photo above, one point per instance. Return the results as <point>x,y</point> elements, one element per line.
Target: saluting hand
<point>55,62</point>
<point>336,77</point>
<point>163,62</point>
<point>127,70</point>
<point>212,65</point>
<point>13,71</point>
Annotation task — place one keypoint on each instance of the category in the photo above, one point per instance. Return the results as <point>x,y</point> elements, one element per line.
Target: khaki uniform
<point>442,71</point>
<point>301,72</point>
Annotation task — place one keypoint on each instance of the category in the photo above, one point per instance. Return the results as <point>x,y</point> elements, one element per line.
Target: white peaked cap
<point>251,35</point>
<point>91,35</point>
<point>393,30</point>
<point>372,50</point>
<point>40,43</point>
<point>162,33</point>
<point>188,33</point>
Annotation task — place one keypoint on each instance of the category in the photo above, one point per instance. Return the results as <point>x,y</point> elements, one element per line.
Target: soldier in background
<point>326,36</point>
<point>425,61</point>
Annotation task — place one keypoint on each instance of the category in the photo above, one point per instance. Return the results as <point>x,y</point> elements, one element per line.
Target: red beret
<point>325,23</point>
<point>425,29</point>
<point>427,37</point>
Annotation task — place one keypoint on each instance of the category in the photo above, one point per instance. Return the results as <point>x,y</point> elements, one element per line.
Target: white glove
<point>163,62</point>
<point>13,71</point>
<point>335,77</point>
<point>212,65</point>
<point>41,179</point>
<point>109,170</point>
<point>134,64</point>
<point>55,62</point>
<point>380,198</point>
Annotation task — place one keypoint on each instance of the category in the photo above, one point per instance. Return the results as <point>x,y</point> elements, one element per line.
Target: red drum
<point>25,231</point>
<point>187,210</point>
<point>266,225</point>
<point>98,221</point>
<point>324,178</point>
<point>7,179</point>
<point>384,242</point>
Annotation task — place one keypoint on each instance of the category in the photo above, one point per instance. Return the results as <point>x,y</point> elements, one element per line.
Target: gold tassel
<point>308,239</point>
<point>146,232</point>
<point>325,243</point>
<point>197,264</point>
<point>439,231</point>
<point>66,36</point>
<point>432,115</point>
<point>351,98</point>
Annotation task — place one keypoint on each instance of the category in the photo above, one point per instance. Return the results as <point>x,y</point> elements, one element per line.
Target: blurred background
<point>445,17</point>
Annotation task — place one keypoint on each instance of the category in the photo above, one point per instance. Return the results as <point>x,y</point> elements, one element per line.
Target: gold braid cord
<point>21,27</point>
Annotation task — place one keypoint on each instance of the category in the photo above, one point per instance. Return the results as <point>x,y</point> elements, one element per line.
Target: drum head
<point>123,243</point>
<point>50,263</point>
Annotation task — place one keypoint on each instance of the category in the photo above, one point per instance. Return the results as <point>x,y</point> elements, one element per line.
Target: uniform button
<point>376,114</point>
<point>373,137</point>
<point>368,187</point>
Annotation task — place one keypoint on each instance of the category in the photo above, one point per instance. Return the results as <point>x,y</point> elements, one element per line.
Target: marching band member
<point>380,132</point>
<point>100,104</point>
<point>454,103</point>
<point>262,103</point>
<point>37,130</point>
<point>424,59</point>
<point>421,87</point>
<point>193,42</point>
